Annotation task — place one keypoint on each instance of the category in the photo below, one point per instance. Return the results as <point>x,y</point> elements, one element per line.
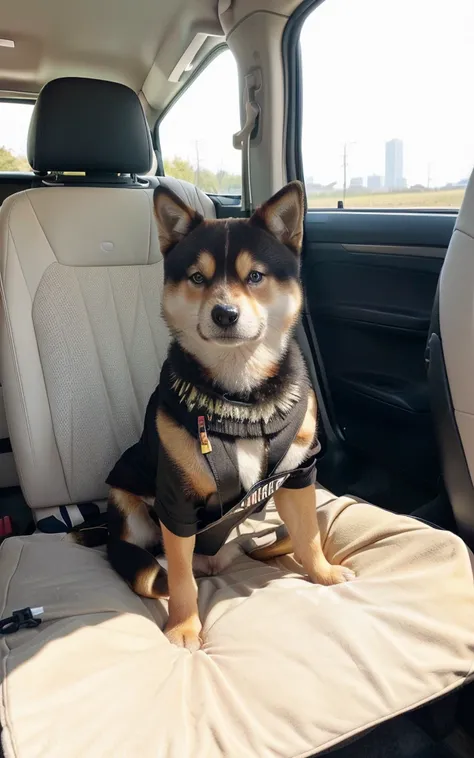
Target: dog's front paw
<point>332,575</point>
<point>185,633</point>
<point>320,571</point>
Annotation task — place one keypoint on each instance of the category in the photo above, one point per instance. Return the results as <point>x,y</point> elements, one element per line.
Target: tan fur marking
<point>145,582</point>
<point>206,264</point>
<point>307,430</point>
<point>182,289</point>
<point>295,290</point>
<point>139,527</point>
<point>244,264</point>
<point>271,370</point>
<point>268,291</point>
<point>234,291</point>
<point>125,501</point>
<point>185,452</point>
<point>279,548</point>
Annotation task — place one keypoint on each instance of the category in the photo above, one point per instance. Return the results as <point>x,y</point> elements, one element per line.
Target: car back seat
<point>10,184</point>
<point>82,337</point>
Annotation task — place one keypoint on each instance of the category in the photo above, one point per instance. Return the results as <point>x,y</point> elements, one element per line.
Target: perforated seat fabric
<point>288,668</point>
<point>82,338</point>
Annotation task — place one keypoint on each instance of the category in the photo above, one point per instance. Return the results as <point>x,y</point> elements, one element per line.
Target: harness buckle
<point>204,440</point>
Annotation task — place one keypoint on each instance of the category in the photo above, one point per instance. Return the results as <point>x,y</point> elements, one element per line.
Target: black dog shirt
<point>146,470</point>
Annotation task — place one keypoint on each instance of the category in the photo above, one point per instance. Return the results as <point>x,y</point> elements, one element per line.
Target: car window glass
<point>14,122</point>
<point>196,133</point>
<point>387,117</point>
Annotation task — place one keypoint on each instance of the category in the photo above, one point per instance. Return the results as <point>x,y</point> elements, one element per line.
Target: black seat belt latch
<point>26,618</point>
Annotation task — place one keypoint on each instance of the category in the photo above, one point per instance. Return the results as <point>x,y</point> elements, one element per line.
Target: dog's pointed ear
<point>174,218</point>
<point>283,216</point>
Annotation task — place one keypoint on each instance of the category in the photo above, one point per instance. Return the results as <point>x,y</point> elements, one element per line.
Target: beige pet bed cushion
<point>288,668</point>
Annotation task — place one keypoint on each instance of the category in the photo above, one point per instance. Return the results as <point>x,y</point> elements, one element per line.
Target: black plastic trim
<point>367,228</point>
<point>20,100</point>
<point>374,317</point>
<point>226,200</point>
<point>228,206</point>
<point>5,446</point>
<point>291,54</point>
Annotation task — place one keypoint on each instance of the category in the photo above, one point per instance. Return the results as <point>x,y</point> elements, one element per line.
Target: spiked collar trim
<point>233,417</point>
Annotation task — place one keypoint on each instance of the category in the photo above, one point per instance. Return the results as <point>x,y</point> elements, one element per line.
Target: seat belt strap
<point>242,139</point>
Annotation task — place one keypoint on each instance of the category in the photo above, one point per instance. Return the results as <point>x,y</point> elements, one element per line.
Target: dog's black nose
<point>225,315</point>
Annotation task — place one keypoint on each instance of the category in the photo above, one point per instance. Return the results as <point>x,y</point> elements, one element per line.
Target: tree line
<point>221,182</point>
<point>11,162</point>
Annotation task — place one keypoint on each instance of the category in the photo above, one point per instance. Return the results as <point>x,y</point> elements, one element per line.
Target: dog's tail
<point>91,533</point>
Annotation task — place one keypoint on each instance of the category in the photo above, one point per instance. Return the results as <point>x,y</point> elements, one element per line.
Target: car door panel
<point>370,280</point>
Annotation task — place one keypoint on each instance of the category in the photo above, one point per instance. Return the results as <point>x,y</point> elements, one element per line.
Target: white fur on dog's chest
<point>251,458</point>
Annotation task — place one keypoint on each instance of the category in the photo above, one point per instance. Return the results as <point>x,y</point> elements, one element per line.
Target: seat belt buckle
<point>26,618</point>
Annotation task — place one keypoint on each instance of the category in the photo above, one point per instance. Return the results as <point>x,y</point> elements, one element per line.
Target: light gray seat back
<point>82,338</point>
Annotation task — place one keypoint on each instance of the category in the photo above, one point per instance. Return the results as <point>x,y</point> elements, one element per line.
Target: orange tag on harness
<point>204,441</point>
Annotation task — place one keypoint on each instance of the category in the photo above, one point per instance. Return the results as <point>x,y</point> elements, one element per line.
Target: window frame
<point>293,77</point>
<point>160,171</point>
<point>20,100</point>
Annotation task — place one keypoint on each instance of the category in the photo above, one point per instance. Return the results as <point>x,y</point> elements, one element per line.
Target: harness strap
<point>222,461</point>
<point>281,442</point>
<point>210,538</point>
<point>223,464</point>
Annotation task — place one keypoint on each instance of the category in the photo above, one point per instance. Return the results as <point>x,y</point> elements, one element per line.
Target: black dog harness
<point>146,469</point>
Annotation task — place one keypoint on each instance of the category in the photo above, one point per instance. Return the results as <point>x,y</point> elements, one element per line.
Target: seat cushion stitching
<point>27,195</point>
<point>466,234</point>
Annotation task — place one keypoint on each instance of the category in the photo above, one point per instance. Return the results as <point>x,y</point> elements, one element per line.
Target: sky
<point>372,71</point>
<point>14,122</point>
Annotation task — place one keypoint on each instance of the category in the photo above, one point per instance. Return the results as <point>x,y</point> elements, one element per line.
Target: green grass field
<point>443,198</point>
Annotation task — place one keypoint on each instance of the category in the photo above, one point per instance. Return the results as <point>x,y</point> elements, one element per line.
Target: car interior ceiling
<point>370,282</point>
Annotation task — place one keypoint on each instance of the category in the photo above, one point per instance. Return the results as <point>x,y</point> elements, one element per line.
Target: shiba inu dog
<point>233,419</point>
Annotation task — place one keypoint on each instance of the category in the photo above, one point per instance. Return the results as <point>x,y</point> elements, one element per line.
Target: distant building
<point>394,165</point>
<point>356,182</point>
<point>374,182</point>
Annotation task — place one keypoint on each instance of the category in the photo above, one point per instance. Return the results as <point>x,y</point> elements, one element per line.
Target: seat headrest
<point>89,125</point>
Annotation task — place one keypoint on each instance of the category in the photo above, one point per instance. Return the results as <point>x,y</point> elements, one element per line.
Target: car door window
<point>196,132</point>
<point>387,120</point>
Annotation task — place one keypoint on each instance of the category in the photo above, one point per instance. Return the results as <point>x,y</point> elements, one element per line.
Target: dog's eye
<point>255,277</point>
<point>196,278</point>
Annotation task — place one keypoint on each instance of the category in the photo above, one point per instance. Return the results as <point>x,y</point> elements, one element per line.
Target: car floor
<point>401,738</point>
<point>12,503</point>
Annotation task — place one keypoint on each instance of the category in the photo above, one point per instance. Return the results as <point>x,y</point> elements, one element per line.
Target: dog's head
<point>232,293</point>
